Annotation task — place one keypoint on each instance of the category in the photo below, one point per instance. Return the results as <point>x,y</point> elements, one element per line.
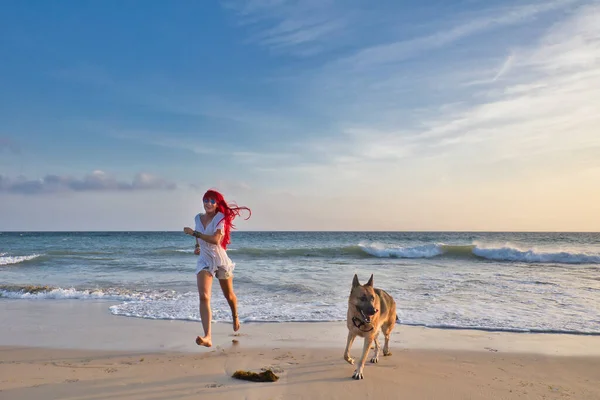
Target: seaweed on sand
<point>265,376</point>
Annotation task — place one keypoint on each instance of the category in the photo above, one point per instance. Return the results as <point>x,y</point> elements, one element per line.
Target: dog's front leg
<point>376,351</point>
<point>358,374</point>
<point>349,342</point>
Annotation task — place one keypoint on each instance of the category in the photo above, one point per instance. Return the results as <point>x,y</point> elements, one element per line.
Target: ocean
<point>521,282</point>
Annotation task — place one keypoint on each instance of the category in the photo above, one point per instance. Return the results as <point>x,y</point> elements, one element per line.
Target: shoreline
<point>15,293</point>
<point>89,325</point>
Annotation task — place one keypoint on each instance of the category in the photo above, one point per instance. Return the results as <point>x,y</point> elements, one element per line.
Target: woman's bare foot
<point>236,323</point>
<point>204,341</point>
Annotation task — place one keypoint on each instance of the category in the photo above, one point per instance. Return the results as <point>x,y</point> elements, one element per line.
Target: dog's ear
<point>370,283</point>
<point>355,282</point>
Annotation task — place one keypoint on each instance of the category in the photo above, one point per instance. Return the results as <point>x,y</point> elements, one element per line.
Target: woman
<point>212,234</point>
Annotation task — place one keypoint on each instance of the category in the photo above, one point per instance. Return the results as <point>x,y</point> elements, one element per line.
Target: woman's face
<point>210,205</point>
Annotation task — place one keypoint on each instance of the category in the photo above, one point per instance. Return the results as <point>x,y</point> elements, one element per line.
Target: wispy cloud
<point>400,50</point>
<point>398,83</point>
<point>96,181</point>
<point>301,28</point>
<point>504,68</point>
<point>543,120</point>
<point>551,90</point>
<point>541,112</point>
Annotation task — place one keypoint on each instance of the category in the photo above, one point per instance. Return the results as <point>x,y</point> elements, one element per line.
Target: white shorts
<point>219,273</point>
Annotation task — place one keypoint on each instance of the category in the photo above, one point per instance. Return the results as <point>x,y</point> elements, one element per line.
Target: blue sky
<point>432,115</point>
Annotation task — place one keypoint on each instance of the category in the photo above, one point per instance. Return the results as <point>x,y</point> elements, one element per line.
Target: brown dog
<point>370,311</point>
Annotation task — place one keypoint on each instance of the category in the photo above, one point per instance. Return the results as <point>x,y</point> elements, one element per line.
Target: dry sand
<point>77,350</point>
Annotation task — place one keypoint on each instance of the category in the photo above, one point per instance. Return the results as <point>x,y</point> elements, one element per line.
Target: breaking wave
<point>431,250</point>
<point>533,256</point>
<point>10,260</point>
<point>58,293</point>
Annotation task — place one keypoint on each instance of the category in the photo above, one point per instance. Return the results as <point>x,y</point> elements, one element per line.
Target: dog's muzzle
<point>367,315</point>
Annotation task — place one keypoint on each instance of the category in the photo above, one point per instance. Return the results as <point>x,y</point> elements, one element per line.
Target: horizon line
<point>299,231</point>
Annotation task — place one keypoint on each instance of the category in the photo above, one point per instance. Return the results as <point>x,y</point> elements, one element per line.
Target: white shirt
<point>212,256</point>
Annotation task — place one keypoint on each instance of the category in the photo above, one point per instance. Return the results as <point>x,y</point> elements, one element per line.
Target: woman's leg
<point>227,288</point>
<point>204,279</point>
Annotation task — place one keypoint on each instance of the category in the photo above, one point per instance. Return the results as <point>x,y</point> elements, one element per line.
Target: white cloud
<point>97,181</point>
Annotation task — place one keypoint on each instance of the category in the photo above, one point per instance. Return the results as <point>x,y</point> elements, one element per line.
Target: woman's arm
<point>214,239</point>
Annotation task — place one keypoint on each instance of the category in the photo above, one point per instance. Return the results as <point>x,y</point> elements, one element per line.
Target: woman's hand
<point>197,251</point>
<point>188,231</point>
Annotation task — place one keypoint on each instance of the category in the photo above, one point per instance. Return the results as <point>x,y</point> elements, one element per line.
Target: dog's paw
<point>357,375</point>
<point>387,353</point>
<point>349,360</point>
<point>374,360</point>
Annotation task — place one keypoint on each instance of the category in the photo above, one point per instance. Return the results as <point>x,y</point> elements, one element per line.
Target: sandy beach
<point>75,350</point>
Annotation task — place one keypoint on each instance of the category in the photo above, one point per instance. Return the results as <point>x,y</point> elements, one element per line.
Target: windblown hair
<point>229,210</point>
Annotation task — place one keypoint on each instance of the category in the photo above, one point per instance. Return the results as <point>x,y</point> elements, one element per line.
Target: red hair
<point>230,211</point>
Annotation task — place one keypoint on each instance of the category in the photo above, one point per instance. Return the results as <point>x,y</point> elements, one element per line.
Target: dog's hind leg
<point>349,342</point>
<point>376,351</point>
<point>358,374</point>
